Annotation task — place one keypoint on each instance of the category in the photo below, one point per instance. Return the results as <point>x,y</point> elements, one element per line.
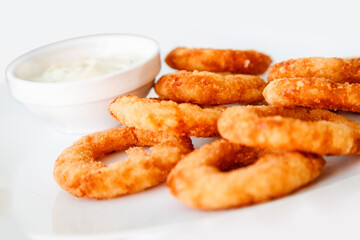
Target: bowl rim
<point>10,76</point>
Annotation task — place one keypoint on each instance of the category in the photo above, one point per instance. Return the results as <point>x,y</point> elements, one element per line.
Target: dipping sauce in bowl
<point>85,68</point>
<point>70,84</point>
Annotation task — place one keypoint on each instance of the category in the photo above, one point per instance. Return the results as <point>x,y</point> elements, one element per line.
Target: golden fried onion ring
<point>218,175</point>
<point>314,93</point>
<point>78,172</point>
<point>336,69</point>
<point>155,115</point>
<point>295,129</point>
<point>208,88</point>
<point>218,60</point>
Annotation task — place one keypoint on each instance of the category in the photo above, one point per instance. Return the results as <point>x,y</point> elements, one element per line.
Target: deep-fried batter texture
<point>336,69</point>
<point>223,175</point>
<point>218,60</point>
<point>78,172</point>
<point>155,115</point>
<point>208,88</point>
<point>294,129</point>
<point>314,93</point>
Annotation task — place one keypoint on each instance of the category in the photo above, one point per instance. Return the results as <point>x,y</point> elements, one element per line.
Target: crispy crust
<point>208,88</point>
<point>336,69</point>
<point>200,180</point>
<point>218,60</point>
<point>77,171</point>
<point>294,129</point>
<point>155,115</point>
<point>314,93</point>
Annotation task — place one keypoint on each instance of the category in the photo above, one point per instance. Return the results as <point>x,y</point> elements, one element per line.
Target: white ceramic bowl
<point>82,106</point>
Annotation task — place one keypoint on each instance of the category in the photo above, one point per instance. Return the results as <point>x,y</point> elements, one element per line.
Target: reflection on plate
<point>45,211</point>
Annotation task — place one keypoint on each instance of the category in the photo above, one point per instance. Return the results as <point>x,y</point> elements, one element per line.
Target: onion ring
<point>155,115</point>
<point>77,171</point>
<point>336,69</point>
<point>218,60</point>
<point>314,93</point>
<point>295,129</point>
<point>214,176</point>
<point>208,88</point>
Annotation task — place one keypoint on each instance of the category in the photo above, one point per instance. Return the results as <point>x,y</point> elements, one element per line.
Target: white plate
<point>328,207</point>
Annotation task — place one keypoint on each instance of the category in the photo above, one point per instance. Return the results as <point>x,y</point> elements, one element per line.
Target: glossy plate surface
<point>29,148</point>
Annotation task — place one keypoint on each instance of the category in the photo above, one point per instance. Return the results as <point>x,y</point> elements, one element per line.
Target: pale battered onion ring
<point>155,115</point>
<point>295,129</point>
<point>218,175</point>
<point>77,171</point>
<point>314,93</point>
<point>336,69</point>
<point>218,60</point>
<point>207,88</point>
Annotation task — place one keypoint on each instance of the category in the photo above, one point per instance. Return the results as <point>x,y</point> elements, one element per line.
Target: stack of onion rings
<point>218,60</point>
<point>335,69</point>
<point>206,178</point>
<point>77,171</point>
<point>156,115</point>
<point>208,88</point>
<point>294,129</point>
<point>313,93</point>
<point>268,151</point>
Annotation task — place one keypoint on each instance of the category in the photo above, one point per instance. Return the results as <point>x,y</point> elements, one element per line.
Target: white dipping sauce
<point>85,68</point>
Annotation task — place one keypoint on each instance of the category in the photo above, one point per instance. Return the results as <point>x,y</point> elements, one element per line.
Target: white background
<point>282,29</point>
